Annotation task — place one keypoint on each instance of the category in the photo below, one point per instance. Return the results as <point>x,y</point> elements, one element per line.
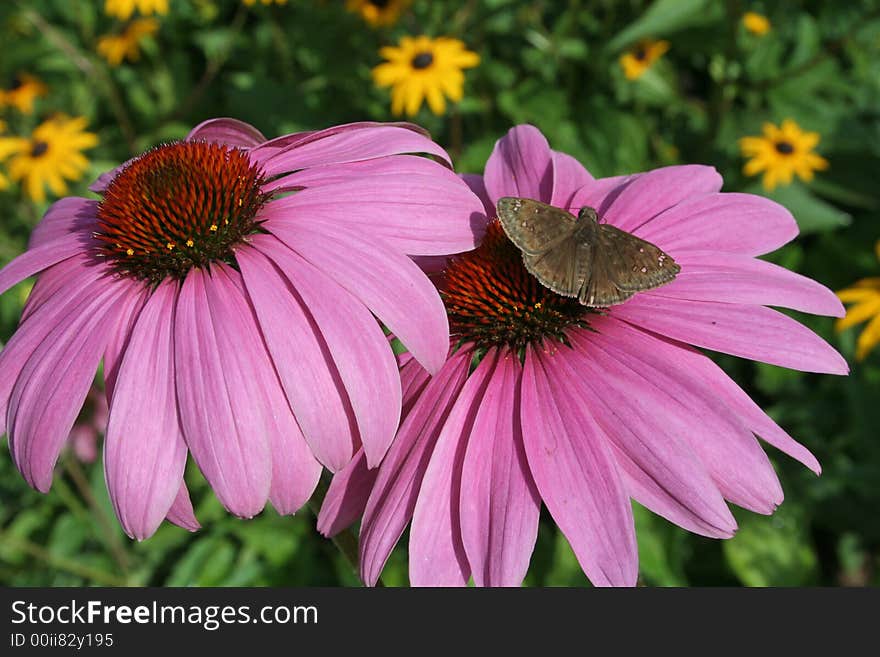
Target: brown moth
<point>578,257</point>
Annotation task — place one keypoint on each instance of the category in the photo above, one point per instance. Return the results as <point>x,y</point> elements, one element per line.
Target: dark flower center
<point>640,53</point>
<point>492,300</point>
<point>17,83</point>
<point>784,147</point>
<point>39,148</point>
<point>380,4</point>
<point>179,206</point>
<point>422,60</point>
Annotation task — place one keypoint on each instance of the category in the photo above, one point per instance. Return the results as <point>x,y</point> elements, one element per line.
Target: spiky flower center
<point>179,206</point>
<point>492,300</point>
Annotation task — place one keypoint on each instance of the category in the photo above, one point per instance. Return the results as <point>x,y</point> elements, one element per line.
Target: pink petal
<point>365,143</point>
<point>521,165</point>
<point>120,334</point>
<point>69,215</point>
<point>660,389</point>
<point>717,384</point>
<point>600,193</point>
<point>225,428</point>
<point>478,187</point>
<point>57,305</point>
<point>397,487</point>
<point>37,259</point>
<point>499,505</point>
<point>300,354</point>
<point>181,512</point>
<point>734,223</point>
<point>227,131</point>
<point>753,332</point>
<point>419,208</point>
<point>569,176</point>
<point>436,553</point>
<point>651,193</point>
<point>737,278</point>
<point>347,496</point>
<point>55,380</point>
<point>631,408</point>
<point>388,283</point>
<point>144,450</point>
<point>575,473</point>
<point>357,344</point>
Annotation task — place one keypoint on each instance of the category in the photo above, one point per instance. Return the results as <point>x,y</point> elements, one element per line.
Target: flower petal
<point>223,424</point>
<point>576,475</point>
<point>499,505</point>
<point>521,165</point>
<point>436,552</point>
<point>144,450</point>
<point>347,496</point>
<point>357,345</point>
<point>181,512</point>
<point>660,389</point>
<point>300,353</point>
<point>737,278</point>
<point>357,142</point>
<point>753,332</point>
<point>733,223</point>
<point>393,497</point>
<point>569,176</point>
<point>621,377</point>
<point>65,217</point>
<point>55,380</point>
<point>388,283</point>
<point>231,132</point>
<point>421,208</point>
<point>37,259</point>
<point>652,192</point>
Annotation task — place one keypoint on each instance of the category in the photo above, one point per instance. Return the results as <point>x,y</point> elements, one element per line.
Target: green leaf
<point>811,213</point>
<point>664,17</point>
<point>773,551</point>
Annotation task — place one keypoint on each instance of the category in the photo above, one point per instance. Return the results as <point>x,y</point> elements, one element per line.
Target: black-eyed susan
<point>865,295</point>
<point>421,68</point>
<point>782,152</point>
<point>127,44</point>
<point>123,9</point>
<point>641,57</point>
<point>756,23</point>
<point>22,92</point>
<point>251,3</point>
<point>4,181</point>
<point>51,155</point>
<point>378,13</point>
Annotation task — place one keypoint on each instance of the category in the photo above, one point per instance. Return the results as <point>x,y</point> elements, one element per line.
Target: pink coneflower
<point>584,409</point>
<point>235,318</point>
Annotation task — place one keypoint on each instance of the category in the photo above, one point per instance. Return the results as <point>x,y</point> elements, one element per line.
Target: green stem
<point>62,563</point>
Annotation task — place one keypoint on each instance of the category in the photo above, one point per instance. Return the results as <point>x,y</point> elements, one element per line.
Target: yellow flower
<point>865,294</point>
<point>251,3</point>
<point>424,68</point>
<point>123,9</point>
<point>51,155</point>
<point>22,93</point>
<point>4,181</point>
<point>116,47</point>
<point>781,153</point>
<point>378,12</point>
<point>756,23</point>
<point>638,60</point>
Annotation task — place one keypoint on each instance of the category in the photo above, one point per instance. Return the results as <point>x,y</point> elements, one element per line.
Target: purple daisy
<point>582,409</point>
<point>229,284</point>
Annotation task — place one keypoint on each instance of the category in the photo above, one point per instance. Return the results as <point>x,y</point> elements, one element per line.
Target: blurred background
<point>782,97</point>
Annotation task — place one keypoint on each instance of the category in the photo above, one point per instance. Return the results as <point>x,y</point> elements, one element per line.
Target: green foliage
<point>555,64</point>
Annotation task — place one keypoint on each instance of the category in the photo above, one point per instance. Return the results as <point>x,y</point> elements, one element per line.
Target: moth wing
<point>631,263</point>
<point>565,268</point>
<point>600,289</point>
<point>534,227</point>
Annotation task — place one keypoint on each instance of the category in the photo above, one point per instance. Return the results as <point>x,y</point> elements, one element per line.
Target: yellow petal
<point>869,339</point>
